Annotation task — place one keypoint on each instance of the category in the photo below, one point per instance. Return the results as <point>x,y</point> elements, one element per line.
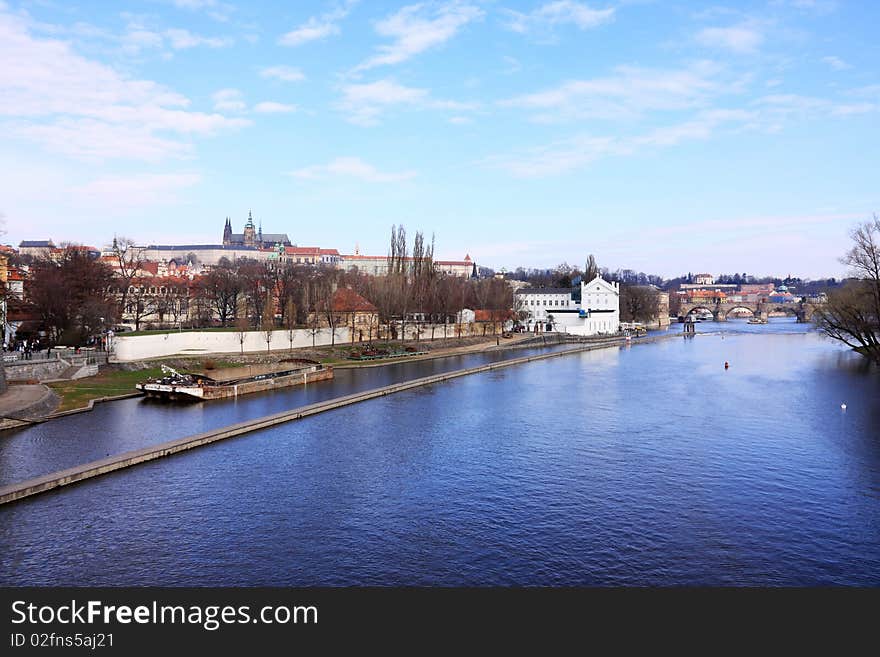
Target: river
<point>648,465</point>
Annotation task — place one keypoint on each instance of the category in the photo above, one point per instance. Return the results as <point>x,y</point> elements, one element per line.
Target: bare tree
<point>268,321</point>
<point>241,331</point>
<point>639,303</point>
<point>129,259</point>
<point>851,314</point>
<point>290,320</point>
<point>591,269</point>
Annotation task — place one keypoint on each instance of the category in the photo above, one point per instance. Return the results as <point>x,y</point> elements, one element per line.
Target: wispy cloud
<point>363,104</point>
<point>140,36</point>
<point>744,39</point>
<point>630,92</point>
<point>564,156</point>
<point>232,100</point>
<point>271,107</point>
<point>136,190</point>
<point>417,28</point>
<point>181,39</point>
<point>283,73</point>
<point>82,108</point>
<point>318,27</point>
<point>541,22</point>
<point>768,114</point>
<point>836,63</point>
<point>228,100</point>
<point>219,11</point>
<point>351,167</point>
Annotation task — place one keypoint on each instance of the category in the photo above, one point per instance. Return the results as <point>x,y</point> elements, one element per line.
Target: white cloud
<point>283,73</point>
<point>545,18</point>
<point>271,107</point>
<point>183,39</point>
<point>219,11</point>
<point>194,4</point>
<point>351,167</point>
<point>134,190</point>
<point>836,63</point>
<point>228,100</point>
<point>318,27</point>
<point>82,108</point>
<point>568,155</point>
<point>365,103</point>
<point>556,158</point>
<point>461,120</point>
<point>629,92</point>
<point>767,114</point>
<point>742,39</point>
<point>417,28</point>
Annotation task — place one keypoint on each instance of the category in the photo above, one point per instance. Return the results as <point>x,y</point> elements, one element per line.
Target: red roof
<point>702,294</point>
<point>492,315</point>
<point>346,300</point>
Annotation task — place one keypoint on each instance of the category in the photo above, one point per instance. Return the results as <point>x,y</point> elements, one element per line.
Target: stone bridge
<point>761,309</point>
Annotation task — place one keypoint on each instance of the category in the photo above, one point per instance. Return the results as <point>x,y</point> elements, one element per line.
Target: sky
<point>664,137</point>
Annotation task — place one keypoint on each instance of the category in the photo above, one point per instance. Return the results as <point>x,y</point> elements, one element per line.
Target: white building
<point>597,313</point>
<point>378,265</point>
<point>599,308</point>
<point>543,304</point>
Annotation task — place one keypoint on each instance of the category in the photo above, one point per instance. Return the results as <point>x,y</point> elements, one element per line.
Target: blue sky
<point>660,136</point>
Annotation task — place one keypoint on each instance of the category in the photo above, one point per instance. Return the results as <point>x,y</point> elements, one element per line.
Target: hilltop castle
<point>252,236</point>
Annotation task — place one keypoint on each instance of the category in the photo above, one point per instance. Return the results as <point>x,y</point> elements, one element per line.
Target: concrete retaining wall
<point>96,468</point>
<point>196,343</point>
<point>26,370</point>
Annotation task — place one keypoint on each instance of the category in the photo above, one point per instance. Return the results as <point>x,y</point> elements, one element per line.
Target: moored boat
<point>234,381</point>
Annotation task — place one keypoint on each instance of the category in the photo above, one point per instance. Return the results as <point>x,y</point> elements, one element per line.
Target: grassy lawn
<point>76,394</point>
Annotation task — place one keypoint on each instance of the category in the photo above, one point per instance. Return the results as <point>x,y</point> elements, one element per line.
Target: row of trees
<point>77,296</point>
<point>413,290</point>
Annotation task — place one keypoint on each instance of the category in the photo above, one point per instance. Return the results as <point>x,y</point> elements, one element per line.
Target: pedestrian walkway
<point>22,403</point>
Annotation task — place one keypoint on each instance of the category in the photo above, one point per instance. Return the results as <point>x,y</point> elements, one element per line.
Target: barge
<point>233,381</point>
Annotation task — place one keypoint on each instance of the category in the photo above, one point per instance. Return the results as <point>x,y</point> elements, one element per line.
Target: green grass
<point>78,393</point>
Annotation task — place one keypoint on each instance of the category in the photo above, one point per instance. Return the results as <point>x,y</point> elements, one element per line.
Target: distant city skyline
<point>661,137</point>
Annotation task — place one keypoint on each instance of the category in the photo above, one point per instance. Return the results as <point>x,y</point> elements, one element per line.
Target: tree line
<point>76,296</point>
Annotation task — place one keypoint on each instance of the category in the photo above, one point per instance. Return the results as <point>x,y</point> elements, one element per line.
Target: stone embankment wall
<point>128,348</point>
<point>26,370</point>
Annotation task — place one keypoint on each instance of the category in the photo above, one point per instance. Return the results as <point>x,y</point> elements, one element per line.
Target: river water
<point>648,465</point>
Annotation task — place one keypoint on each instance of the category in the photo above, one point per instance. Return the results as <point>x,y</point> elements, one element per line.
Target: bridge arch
<point>737,310</point>
<point>693,310</point>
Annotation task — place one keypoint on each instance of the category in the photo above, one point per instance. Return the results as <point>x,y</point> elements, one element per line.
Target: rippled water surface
<point>647,465</point>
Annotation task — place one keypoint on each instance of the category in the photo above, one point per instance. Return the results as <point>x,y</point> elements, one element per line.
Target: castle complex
<point>252,236</point>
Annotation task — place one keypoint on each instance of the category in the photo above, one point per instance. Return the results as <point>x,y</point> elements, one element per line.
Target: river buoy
<point>726,365</point>
<point>843,407</point>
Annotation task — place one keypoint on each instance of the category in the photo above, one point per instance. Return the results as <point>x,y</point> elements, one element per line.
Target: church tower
<point>227,233</point>
<point>250,231</point>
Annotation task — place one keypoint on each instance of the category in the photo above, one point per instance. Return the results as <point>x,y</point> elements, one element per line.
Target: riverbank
<point>112,463</point>
<point>23,404</point>
<point>117,381</point>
